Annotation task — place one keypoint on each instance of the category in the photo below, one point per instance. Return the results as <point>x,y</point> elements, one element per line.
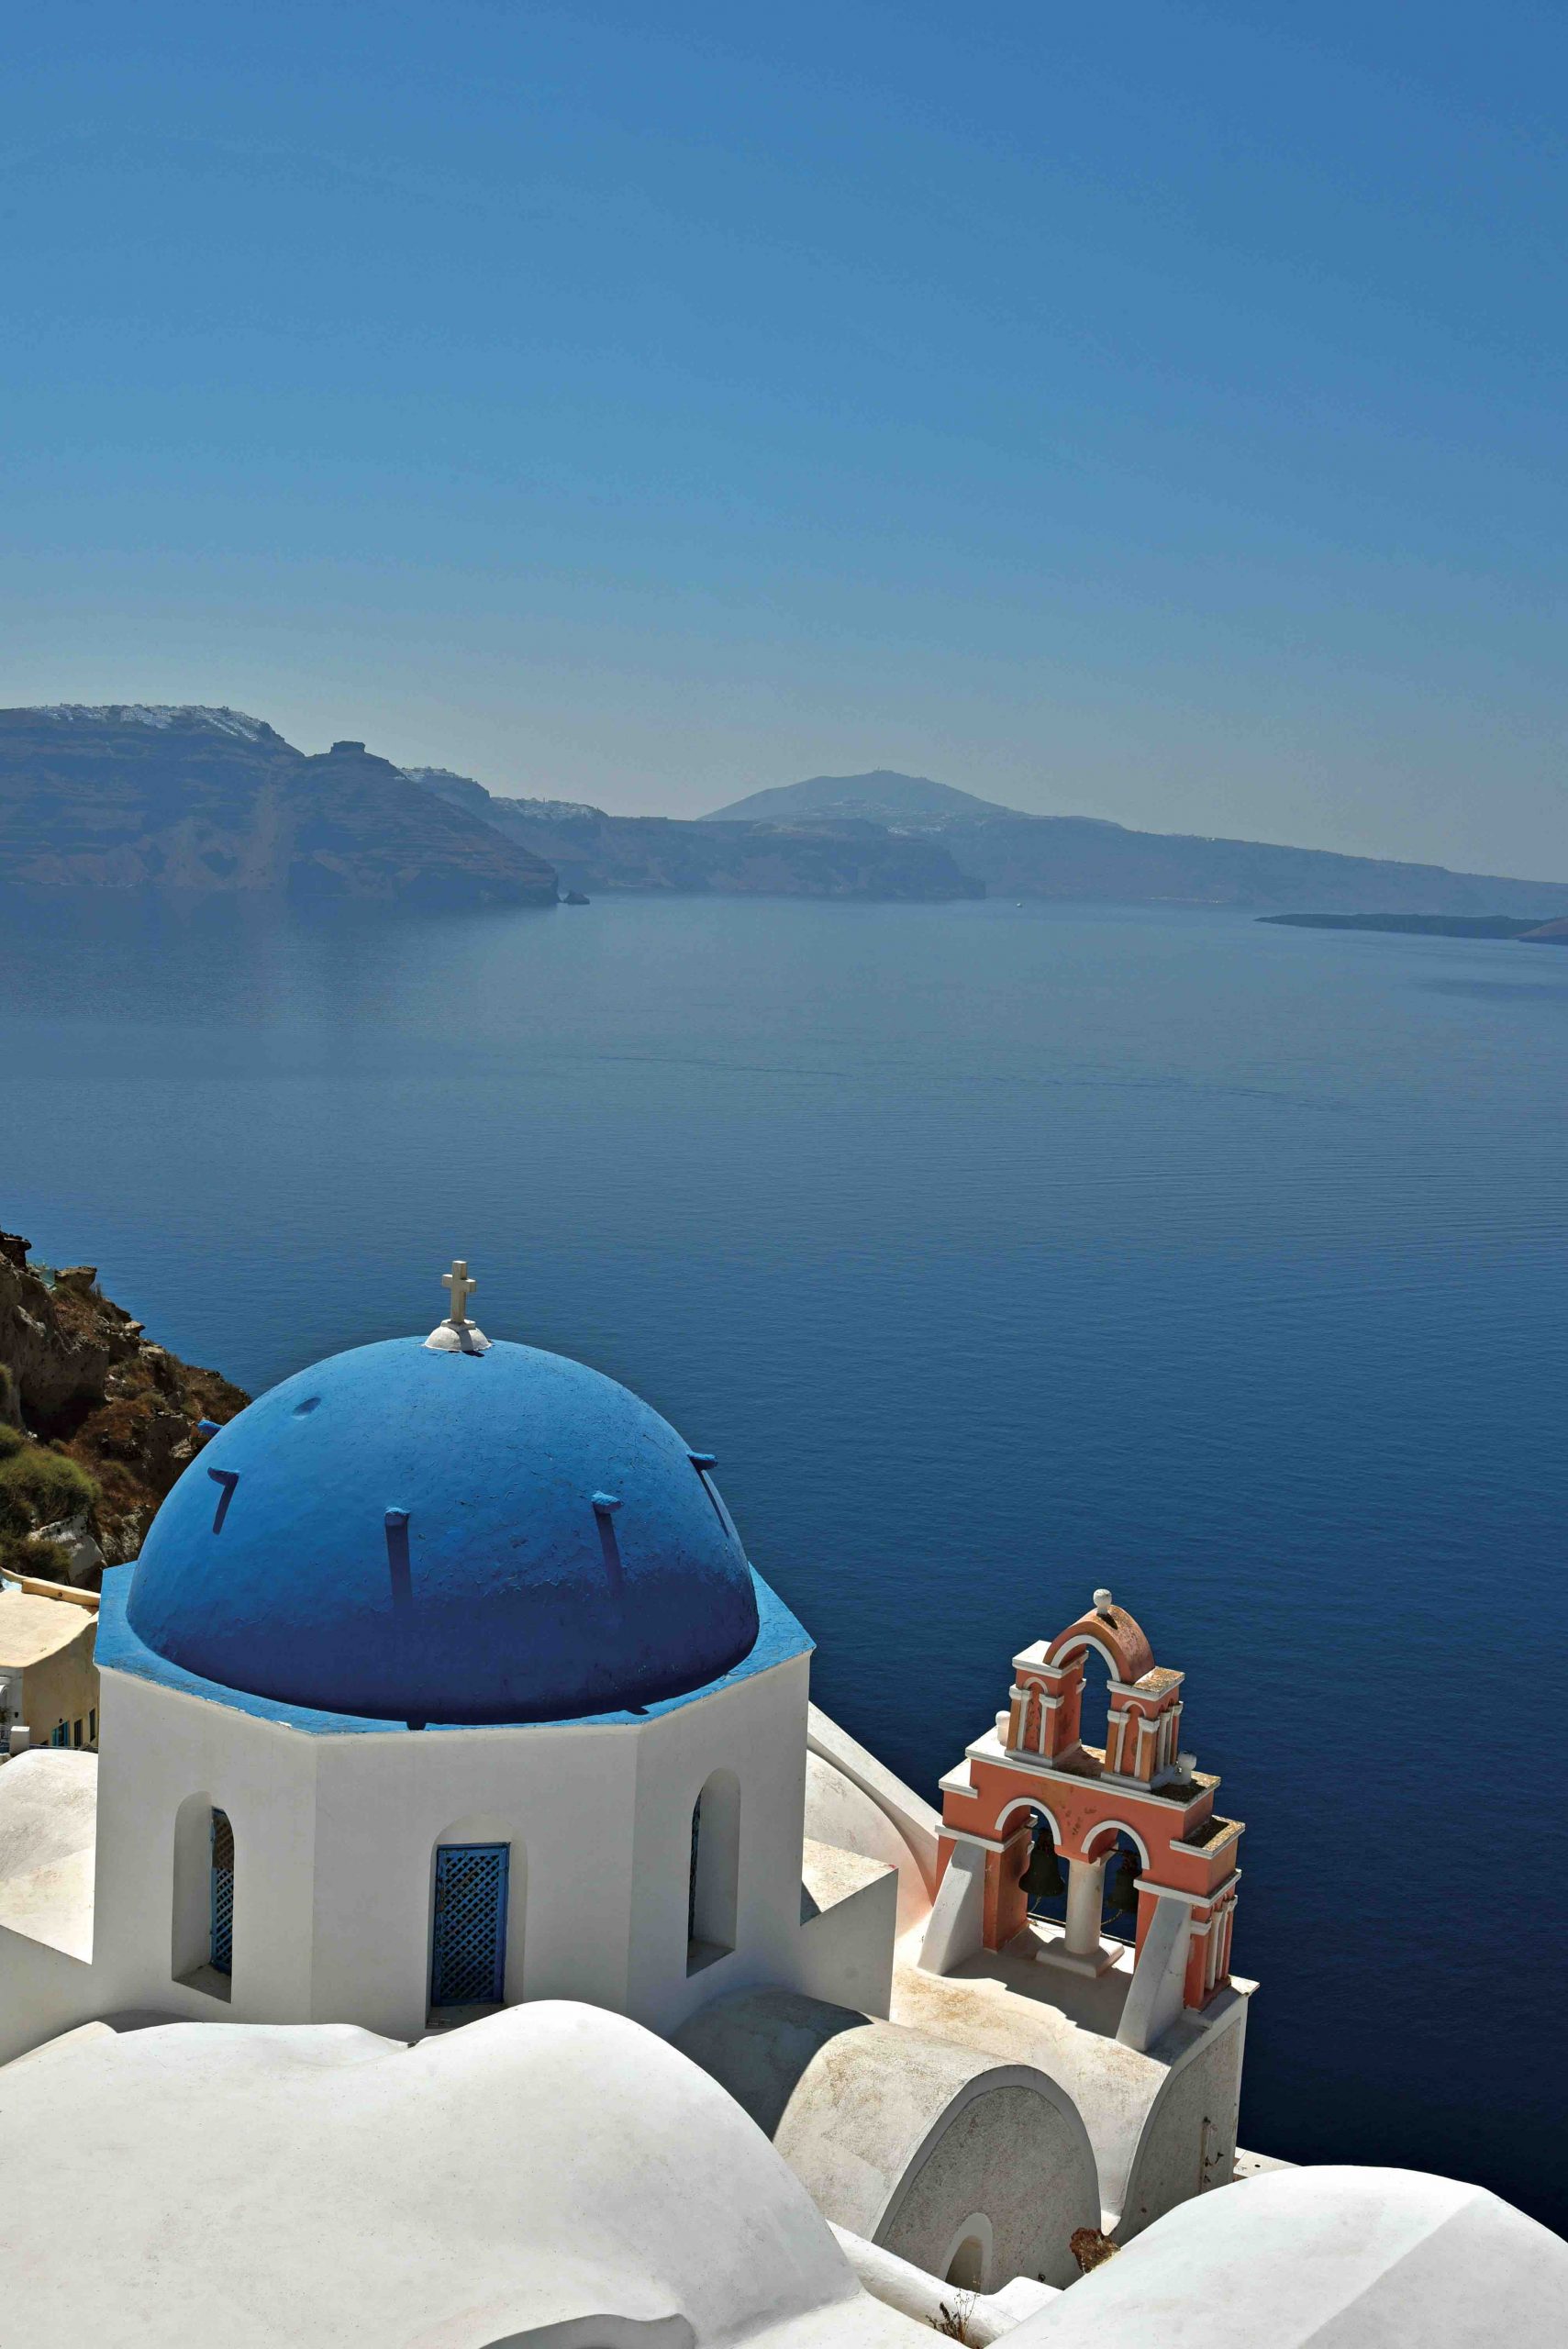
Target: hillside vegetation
<point>96,1420</point>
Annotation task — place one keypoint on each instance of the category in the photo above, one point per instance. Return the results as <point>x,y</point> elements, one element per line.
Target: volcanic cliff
<point>135,796</point>
<point>96,1421</point>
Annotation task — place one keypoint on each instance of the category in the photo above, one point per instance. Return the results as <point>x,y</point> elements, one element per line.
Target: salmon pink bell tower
<point>1031,1776</point>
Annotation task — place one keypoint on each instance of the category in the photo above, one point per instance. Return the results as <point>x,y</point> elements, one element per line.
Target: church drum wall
<point>336,1835</point>
<point>160,1747</point>
<point>558,1795</point>
<point>756,1730</point>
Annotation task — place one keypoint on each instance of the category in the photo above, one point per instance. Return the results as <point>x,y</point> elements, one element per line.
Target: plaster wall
<point>844,1953</point>
<point>917,1826</point>
<point>1011,2154</point>
<point>61,1686</point>
<point>561,1797</point>
<point>838,1811</point>
<point>45,1993</point>
<point>1188,2143</point>
<point>756,1731</point>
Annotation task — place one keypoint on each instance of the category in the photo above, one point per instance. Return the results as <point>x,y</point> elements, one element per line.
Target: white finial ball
<point>1102,1602</point>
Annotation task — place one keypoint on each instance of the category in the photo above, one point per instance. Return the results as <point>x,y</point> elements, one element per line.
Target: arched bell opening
<point>1118,1898</point>
<point>1044,1877</point>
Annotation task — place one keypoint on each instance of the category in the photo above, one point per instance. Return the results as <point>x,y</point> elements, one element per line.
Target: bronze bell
<point>1041,1879</point>
<point>1121,1879</point>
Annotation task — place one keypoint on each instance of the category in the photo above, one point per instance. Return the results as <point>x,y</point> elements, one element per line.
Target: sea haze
<point>998,1251</point>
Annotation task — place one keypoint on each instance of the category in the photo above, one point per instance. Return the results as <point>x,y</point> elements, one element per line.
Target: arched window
<point>202,1937</point>
<point>713,1884</point>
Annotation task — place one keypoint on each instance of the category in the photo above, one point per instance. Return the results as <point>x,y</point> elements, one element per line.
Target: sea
<point>999,1253</point>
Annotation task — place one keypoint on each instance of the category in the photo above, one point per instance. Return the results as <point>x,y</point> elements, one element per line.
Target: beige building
<point>49,1681</point>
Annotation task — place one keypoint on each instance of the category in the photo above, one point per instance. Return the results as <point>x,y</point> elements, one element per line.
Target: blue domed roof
<point>451,1537</point>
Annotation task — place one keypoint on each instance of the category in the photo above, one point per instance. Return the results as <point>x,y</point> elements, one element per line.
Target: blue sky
<point>1154,412</point>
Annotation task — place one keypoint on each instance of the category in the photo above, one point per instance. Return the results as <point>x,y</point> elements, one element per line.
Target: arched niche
<point>968,2263</point>
<point>713,1885</point>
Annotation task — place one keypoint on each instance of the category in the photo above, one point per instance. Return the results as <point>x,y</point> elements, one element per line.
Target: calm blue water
<point>997,1252</point>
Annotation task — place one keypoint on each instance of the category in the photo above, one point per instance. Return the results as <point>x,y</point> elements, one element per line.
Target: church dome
<point>494,1534</point>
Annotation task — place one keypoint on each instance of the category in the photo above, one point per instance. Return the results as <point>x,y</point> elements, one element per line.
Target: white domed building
<point>452,1756</point>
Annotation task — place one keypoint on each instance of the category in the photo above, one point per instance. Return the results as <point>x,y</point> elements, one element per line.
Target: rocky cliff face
<point>826,859</point>
<point>96,1421</point>
<point>133,797</point>
<point>806,858</point>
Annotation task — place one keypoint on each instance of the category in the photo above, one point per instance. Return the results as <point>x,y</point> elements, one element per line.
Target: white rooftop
<point>551,2166</point>
<point>49,1824</point>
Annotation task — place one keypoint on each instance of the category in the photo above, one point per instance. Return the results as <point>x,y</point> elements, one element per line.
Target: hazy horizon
<point>1153,417</point>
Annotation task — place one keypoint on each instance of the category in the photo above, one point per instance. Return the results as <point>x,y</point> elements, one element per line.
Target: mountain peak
<point>881,797</point>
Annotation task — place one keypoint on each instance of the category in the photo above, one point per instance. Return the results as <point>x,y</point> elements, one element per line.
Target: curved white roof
<point>549,2165</point>
<point>1337,2258</point>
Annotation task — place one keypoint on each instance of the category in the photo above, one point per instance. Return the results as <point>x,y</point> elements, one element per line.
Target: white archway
<point>1030,1803</point>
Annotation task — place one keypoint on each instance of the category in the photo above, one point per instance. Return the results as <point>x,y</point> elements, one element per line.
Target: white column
<point>1084,1883</point>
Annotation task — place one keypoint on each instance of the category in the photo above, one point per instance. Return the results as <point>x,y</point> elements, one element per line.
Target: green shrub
<point>23,1553</point>
<point>38,1487</point>
<point>11,1440</point>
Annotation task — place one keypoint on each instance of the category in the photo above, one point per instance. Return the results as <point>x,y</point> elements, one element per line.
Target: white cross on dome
<point>457,1334</point>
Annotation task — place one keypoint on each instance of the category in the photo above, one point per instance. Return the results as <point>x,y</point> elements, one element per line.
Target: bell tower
<point>1030,1799</point>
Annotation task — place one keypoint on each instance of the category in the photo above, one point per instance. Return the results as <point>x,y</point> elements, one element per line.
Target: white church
<point>469,1934</point>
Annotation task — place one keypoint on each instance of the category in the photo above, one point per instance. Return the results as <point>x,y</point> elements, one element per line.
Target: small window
<point>93,1725</point>
<point>75,1732</point>
<point>60,1734</point>
<point>468,1934</point>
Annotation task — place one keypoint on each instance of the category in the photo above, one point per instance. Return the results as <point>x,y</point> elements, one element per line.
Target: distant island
<point>1080,858</point>
<point>1529,933</point>
<point>134,796</point>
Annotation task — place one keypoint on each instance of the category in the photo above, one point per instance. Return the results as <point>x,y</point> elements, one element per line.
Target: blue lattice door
<point>468,1949</point>
<point>222,1951</point>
